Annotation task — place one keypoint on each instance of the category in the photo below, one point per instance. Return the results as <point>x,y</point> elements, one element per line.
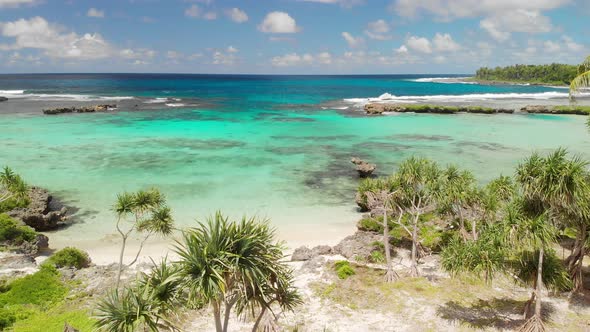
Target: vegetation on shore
<point>582,80</point>
<point>553,74</point>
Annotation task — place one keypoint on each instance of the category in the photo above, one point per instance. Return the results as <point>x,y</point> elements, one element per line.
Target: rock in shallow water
<point>364,169</point>
<point>39,214</point>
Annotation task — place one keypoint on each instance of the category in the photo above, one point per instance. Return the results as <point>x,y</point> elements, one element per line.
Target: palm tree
<point>230,264</point>
<point>582,80</point>
<point>418,180</point>
<point>147,214</point>
<point>12,186</point>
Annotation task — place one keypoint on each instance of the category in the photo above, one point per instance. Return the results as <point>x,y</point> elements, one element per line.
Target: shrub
<point>370,224</point>
<point>377,257</point>
<point>343,269</point>
<point>69,257</point>
<point>13,233</point>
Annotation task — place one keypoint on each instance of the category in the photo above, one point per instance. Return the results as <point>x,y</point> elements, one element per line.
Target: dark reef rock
<point>3,99</point>
<point>364,169</point>
<point>40,214</point>
<point>304,253</point>
<point>379,108</point>
<point>358,245</point>
<point>83,109</point>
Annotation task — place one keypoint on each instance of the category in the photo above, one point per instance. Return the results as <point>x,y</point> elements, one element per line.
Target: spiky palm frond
<point>582,80</point>
<point>554,274</point>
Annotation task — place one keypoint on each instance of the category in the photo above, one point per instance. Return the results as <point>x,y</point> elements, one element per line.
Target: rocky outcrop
<point>3,99</point>
<point>364,169</point>
<point>82,109</point>
<point>543,109</point>
<point>304,253</point>
<point>40,214</point>
<point>359,245</point>
<point>380,108</point>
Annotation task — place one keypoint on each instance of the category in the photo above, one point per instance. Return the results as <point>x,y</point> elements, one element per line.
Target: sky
<point>289,36</point>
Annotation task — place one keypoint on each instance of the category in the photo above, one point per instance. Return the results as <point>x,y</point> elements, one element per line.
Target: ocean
<point>278,147</point>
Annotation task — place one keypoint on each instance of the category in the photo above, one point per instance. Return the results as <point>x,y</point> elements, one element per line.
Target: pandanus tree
<point>235,265</point>
<point>382,201</point>
<point>550,186</point>
<point>559,186</point>
<point>459,193</point>
<point>12,187</point>
<point>417,180</point>
<point>143,213</point>
<point>149,305</point>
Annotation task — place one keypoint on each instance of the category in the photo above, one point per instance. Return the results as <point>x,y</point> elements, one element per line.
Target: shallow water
<point>254,153</point>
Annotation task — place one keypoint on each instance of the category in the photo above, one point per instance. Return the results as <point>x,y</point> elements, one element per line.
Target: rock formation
<point>40,213</point>
<point>364,169</point>
<point>380,108</point>
<point>82,109</point>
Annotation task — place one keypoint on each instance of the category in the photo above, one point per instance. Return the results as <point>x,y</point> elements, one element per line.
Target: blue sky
<point>289,36</point>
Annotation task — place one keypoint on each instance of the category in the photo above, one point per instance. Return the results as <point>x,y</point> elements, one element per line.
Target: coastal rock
<point>3,99</point>
<point>364,169</point>
<point>380,108</point>
<point>303,253</point>
<point>82,109</point>
<point>536,109</point>
<point>358,245</point>
<point>16,264</point>
<point>40,213</point>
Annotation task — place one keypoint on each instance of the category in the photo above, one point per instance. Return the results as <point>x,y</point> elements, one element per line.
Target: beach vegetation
<point>343,269</point>
<point>69,257</point>
<point>13,234</point>
<point>236,265</point>
<point>144,213</point>
<point>13,190</point>
<point>554,74</point>
<point>582,78</point>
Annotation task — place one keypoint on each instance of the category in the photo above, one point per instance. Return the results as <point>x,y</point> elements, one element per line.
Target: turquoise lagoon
<point>276,148</point>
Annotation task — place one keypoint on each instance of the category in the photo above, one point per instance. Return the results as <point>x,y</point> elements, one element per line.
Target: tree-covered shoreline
<point>553,74</point>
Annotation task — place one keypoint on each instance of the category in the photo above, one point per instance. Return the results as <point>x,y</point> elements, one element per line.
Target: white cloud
<point>551,47</point>
<point>225,57</point>
<point>378,30</point>
<point>292,59</point>
<point>451,9</point>
<point>402,50</point>
<point>324,58</point>
<point>237,15</point>
<point>571,45</point>
<point>343,3</point>
<point>419,44</point>
<point>37,33</point>
<point>232,49</point>
<point>445,43</point>
<point>500,26</point>
<point>136,54</point>
<point>16,3</point>
<point>193,11</point>
<point>353,42</point>
<point>278,22</point>
<point>93,12</point>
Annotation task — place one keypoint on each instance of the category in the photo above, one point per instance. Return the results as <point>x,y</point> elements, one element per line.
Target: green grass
<point>37,302</point>
<point>343,269</point>
<point>54,320</point>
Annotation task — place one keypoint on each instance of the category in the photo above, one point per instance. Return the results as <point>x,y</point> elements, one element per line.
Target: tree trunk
<point>539,283</point>
<point>575,260</point>
<point>228,305</point>
<point>414,267</point>
<point>121,260</point>
<point>217,316</point>
<point>257,323</point>
<point>390,275</point>
<point>474,230</point>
